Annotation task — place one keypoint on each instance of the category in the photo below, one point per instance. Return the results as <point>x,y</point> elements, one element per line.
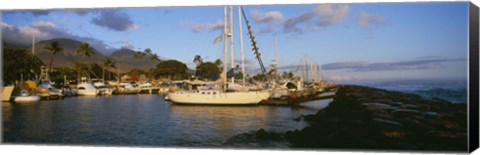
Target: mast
<point>241,42</point>
<point>33,44</point>
<point>225,47</point>
<point>276,54</point>
<point>232,61</point>
<point>254,44</point>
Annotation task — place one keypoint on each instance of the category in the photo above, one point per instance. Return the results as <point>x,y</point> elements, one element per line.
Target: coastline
<point>369,118</point>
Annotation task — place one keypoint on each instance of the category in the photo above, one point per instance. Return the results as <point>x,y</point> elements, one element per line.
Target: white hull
<point>219,98</point>
<point>7,93</point>
<point>27,98</point>
<point>93,92</point>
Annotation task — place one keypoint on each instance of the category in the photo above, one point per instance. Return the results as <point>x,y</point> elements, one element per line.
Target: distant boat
<point>25,96</point>
<point>47,91</point>
<point>85,88</point>
<point>126,88</point>
<point>7,93</point>
<point>148,88</point>
<point>102,87</point>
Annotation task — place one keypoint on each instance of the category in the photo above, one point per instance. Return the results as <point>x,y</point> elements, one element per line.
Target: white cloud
<point>321,16</point>
<point>366,19</point>
<point>267,17</point>
<point>331,13</point>
<point>200,27</point>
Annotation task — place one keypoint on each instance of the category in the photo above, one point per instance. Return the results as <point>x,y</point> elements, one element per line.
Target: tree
<point>55,48</point>
<point>171,69</point>
<point>208,70</point>
<point>95,70</point>
<point>138,55</point>
<point>136,71</point>
<point>154,57</point>
<point>18,61</point>
<point>148,51</point>
<point>86,50</point>
<point>108,63</point>
<point>82,69</point>
<point>218,62</point>
<point>61,72</point>
<point>198,60</point>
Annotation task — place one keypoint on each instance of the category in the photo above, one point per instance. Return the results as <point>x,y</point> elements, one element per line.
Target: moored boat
<point>147,88</point>
<point>26,96</point>
<point>217,97</point>
<point>126,88</point>
<point>103,89</point>
<point>86,89</point>
<point>7,92</point>
<point>47,91</point>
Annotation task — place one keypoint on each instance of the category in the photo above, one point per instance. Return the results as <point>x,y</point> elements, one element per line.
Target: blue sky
<point>350,41</point>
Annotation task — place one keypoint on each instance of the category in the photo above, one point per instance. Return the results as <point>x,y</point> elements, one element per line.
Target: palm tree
<point>154,57</point>
<point>198,60</point>
<point>86,49</point>
<point>55,48</point>
<point>81,69</point>
<point>218,62</point>
<point>148,51</point>
<point>108,63</point>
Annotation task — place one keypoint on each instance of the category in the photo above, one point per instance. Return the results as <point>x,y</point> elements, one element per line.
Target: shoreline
<point>369,118</point>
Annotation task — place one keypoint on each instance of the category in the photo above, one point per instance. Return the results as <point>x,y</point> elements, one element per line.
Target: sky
<point>351,42</point>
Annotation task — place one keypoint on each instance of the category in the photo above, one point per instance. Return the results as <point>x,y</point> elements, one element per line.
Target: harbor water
<point>142,120</point>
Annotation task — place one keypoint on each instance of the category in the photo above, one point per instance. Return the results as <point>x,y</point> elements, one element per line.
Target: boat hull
<point>27,98</point>
<point>126,91</point>
<point>221,98</point>
<point>87,92</point>
<point>6,93</point>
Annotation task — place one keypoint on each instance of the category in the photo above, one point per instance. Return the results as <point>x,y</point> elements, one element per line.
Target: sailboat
<point>220,97</point>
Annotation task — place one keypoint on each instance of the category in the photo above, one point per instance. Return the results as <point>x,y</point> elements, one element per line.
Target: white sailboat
<point>219,97</point>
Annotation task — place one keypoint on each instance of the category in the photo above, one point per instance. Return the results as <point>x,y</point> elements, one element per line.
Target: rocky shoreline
<point>369,118</point>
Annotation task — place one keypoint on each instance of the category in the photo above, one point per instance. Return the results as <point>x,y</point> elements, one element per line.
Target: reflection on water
<point>141,120</point>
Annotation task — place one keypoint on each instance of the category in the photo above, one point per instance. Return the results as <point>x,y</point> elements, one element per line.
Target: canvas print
<point>367,76</point>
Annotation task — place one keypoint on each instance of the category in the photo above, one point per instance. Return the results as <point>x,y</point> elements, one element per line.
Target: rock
<point>409,106</point>
<point>389,122</point>
<point>368,118</point>
<point>430,113</point>
<point>262,134</point>
<point>405,112</point>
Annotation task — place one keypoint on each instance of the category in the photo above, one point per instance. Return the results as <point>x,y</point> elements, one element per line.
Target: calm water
<point>141,120</point>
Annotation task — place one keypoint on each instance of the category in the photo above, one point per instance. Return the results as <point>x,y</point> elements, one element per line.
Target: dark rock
<point>369,118</point>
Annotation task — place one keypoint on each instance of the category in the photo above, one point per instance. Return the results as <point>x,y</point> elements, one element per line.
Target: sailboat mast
<point>232,61</point>
<point>276,54</point>
<point>225,47</point>
<point>33,44</point>
<point>241,42</point>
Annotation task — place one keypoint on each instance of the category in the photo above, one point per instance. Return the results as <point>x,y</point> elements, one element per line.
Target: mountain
<point>123,57</point>
<point>69,56</point>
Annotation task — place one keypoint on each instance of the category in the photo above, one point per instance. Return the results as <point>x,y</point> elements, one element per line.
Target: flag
<point>217,39</point>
